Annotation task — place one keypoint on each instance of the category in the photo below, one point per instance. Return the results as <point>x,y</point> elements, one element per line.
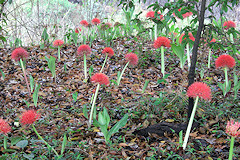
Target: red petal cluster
<point>95,21</point>
<point>58,42</point>
<point>151,14</point>
<point>19,53</point>
<point>190,37</point>
<point>108,24</point>
<point>77,30</point>
<point>199,89</point>
<point>225,61</point>
<point>233,128</point>
<point>100,78</point>
<point>229,24</point>
<point>185,15</point>
<point>29,117</point>
<point>162,41</point>
<point>132,58</point>
<point>84,49</point>
<point>4,127</point>
<point>109,51</point>
<point>213,40</point>
<point>84,23</point>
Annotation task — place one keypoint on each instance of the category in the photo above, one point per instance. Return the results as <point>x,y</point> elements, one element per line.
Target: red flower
<point>190,37</point>
<point>185,15</point>
<point>29,117</point>
<point>84,23</point>
<point>100,78</point>
<point>199,89</point>
<point>229,24</point>
<point>19,53</point>
<point>4,127</point>
<point>108,24</point>
<point>95,21</point>
<point>131,58</point>
<point>77,30</point>
<point>151,14</point>
<point>233,128</point>
<point>58,42</point>
<point>109,51</point>
<point>225,61</point>
<point>213,40</point>
<point>162,41</point>
<point>84,49</point>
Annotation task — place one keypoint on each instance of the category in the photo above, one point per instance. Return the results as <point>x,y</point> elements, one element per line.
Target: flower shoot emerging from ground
<point>29,117</point>
<point>162,41</point>
<point>190,37</point>
<point>84,49</point>
<point>78,29</point>
<point>199,89</point>
<point>19,53</point>
<point>96,21</point>
<point>233,128</point>
<point>109,51</point>
<point>132,59</point>
<point>225,61</point>
<point>100,78</point>
<point>84,23</point>
<point>58,42</point>
<point>4,127</point>
<point>229,24</point>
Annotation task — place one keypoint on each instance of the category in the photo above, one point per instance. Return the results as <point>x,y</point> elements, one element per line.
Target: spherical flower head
<point>190,35</point>
<point>4,127</point>
<point>109,51</point>
<point>213,40</point>
<point>58,42</point>
<point>185,15</point>
<point>29,117</point>
<point>225,61</point>
<point>233,128</point>
<point>84,23</point>
<point>229,24</point>
<point>162,41</point>
<point>199,89</point>
<point>19,53</point>
<point>84,49</point>
<point>95,21</point>
<point>100,78</point>
<point>132,59</point>
<point>77,30</point>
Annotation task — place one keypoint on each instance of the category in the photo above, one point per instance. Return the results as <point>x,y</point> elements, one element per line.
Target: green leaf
<point>7,151</point>
<point>31,82</point>
<point>15,140</point>
<point>3,75</point>
<point>75,95</point>
<point>51,65</point>
<point>45,35</point>
<point>85,112</point>
<point>22,144</point>
<point>145,85</point>
<point>64,142</point>
<point>35,94</point>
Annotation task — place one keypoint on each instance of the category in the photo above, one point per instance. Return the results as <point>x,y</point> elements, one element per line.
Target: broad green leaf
<point>3,75</point>
<point>35,94</point>
<point>64,142</point>
<point>31,82</point>
<point>15,140</point>
<point>22,144</point>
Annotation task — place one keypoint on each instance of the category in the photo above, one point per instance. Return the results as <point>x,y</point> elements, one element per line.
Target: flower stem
<point>85,65</point>
<point>188,55</point>
<point>190,124</point>
<point>231,148</point>
<point>59,54</point>
<point>5,142</point>
<point>40,137</point>
<point>104,63</point>
<point>226,77</point>
<point>93,104</point>
<point>162,61</point>
<point>120,77</point>
<point>25,77</point>
<point>209,58</point>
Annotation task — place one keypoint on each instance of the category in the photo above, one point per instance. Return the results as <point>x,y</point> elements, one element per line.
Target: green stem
<point>226,77</point>
<point>104,63</point>
<point>209,58</point>
<point>188,56</point>
<point>85,65</point>
<point>40,137</point>
<point>155,28</point>
<point>162,61</point>
<point>59,54</point>
<point>231,148</point>
<point>120,77</point>
<point>93,104</point>
<point>190,124</point>
<point>25,77</point>
<point>5,142</point>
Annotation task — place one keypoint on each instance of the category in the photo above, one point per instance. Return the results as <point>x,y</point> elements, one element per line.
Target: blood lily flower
<point>4,129</point>
<point>151,15</point>
<point>84,23</point>
<point>185,15</point>
<point>108,51</point>
<point>229,24</point>
<point>190,35</point>
<point>213,40</point>
<point>100,79</point>
<point>29,117</point>
<point>77,30</point>
<point>196,90</point>
<point>84,50</point>
<point>96,21</point>
<point>58,43</point>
